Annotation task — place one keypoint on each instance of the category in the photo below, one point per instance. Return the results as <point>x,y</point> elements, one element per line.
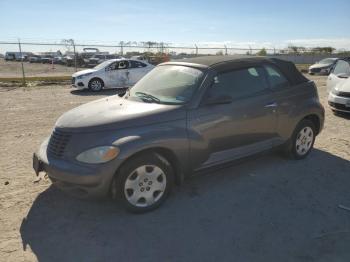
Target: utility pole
<point>75,54</point>
<point>121,48</point>
<point>20,53</point>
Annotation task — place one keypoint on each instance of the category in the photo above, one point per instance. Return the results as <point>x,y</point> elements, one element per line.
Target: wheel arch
<point>168,154</point>
<point>315,119</point>
<point>96,78</point>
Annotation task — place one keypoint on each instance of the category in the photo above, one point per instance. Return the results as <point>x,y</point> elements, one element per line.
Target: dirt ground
<point>267,208</point>
<point>14,69</point>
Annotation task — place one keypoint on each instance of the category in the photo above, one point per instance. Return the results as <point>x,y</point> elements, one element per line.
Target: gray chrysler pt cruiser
<point>180,118</point>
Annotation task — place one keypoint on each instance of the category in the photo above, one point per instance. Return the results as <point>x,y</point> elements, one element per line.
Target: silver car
<point>180,118</point>
<point>323,67</point>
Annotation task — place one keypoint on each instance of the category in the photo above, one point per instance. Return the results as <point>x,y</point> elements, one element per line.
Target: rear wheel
<point>302,140</point>
<point>95,84</point>
<point>144,182</point>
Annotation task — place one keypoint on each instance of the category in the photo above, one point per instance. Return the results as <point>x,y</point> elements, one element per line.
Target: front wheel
<point>302,140</point>
<point>95,85</point>
<point>144,182</point>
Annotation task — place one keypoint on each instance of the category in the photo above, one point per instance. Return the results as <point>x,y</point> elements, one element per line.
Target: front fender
<point>171,138</point>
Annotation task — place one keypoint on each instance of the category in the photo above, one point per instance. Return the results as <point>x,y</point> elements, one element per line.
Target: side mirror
<point>343,75</point>
<point>216,100</point>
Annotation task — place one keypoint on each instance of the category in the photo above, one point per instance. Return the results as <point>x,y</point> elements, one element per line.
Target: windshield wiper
<point>147,96</point>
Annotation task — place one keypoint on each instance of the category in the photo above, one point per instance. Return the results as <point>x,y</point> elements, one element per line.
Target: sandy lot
<point>267,208</point>
<point>14,69</point>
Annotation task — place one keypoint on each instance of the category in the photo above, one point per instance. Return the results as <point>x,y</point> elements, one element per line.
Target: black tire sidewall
<point>96,79</point>
<point>130,166</point>
<point>304,123</point>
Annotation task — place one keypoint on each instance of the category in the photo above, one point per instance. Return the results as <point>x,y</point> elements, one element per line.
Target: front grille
<point>339,106</point>
<point>315,70</point>
<point>73,80</point>
<point>58,142</point>
<point>344,94</point>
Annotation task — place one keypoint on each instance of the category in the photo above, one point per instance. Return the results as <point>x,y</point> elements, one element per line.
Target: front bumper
<point>77,179</point>
<point>319,71</point>
<point>78,83</point>
<point>339,103</point>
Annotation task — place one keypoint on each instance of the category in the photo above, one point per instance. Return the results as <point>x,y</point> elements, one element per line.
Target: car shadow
<point>342,115</point>
<point>105,92</point>
<point>266,209</point>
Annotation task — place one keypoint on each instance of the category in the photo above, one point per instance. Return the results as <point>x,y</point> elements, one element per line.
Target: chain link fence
<point>60,59</point>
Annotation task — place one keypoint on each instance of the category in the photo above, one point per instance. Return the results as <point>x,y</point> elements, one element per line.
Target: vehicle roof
<point>232,62</point>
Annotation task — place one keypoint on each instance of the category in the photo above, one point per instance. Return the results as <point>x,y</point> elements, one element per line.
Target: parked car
<point>338,86</point>
<point>180,118</point>
<point>34,59</point>
<point>47,59</point>
<point>16,56</point>
<point>111,73</point>
<point>99,58</point>
<point>323,67</point>
<point>58,60</point>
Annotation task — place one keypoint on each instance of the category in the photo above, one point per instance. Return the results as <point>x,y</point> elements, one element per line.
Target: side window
<point>239,83</point>
<point>123,65</point>
<point>112,66</point>
<point>136,64</point>
<point>275,78</point>
<point>342,67</point>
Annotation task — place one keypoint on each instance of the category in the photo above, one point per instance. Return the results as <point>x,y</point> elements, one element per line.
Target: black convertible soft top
<point>225,63</point>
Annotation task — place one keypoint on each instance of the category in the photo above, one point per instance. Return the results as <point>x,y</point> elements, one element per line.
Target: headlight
<point>82,76</point>
<point>335,91</point>
<point>98,155</point>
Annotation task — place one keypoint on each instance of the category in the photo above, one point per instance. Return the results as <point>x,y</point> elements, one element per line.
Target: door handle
<point>272,104</point>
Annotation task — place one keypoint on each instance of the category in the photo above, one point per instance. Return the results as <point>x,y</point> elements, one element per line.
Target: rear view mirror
<point>221,99</point>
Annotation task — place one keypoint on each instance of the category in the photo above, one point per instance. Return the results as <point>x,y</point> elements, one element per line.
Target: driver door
<point>231,130</point>
<point>118,74</point>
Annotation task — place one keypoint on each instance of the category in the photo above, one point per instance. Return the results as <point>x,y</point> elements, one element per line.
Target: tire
<point>143,182</point>
<point>96,85</point>
<point>302,140</point>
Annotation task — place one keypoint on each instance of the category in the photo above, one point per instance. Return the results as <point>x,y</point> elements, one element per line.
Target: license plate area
<point>37,164</point>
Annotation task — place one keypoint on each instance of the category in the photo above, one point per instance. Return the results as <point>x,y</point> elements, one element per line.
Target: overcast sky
<point>248,22</point>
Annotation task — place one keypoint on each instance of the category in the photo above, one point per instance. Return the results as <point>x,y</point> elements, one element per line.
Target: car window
<point>342,67</point>
<point>136,64</point>
<point>239,83</point>
<point>112,66</point>
<point>275,78</point>
<point>123,65</point>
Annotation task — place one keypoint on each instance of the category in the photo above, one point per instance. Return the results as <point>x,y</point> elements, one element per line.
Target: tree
<point>262,52</point>
<point>219,52</point>
<point>326,49</point>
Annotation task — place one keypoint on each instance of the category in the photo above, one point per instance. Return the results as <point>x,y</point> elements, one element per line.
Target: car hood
<point>83,72</point>
<point>116,113</point>
<point>320,66</point>
<point>343,86</point>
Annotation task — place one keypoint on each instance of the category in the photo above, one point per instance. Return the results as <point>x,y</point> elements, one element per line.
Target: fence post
<point>75,55</point>
<point>121,48</point>
<point>20,53</point>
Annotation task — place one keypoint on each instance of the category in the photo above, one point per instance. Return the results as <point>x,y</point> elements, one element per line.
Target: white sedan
<point>119,73</point>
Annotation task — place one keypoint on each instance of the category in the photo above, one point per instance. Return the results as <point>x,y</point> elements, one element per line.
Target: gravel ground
<point>267,208</point>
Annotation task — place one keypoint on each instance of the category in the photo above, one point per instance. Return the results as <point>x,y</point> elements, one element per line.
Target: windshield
<point>102,65</point>
<point>169,84</point>
<point>327,61</point>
